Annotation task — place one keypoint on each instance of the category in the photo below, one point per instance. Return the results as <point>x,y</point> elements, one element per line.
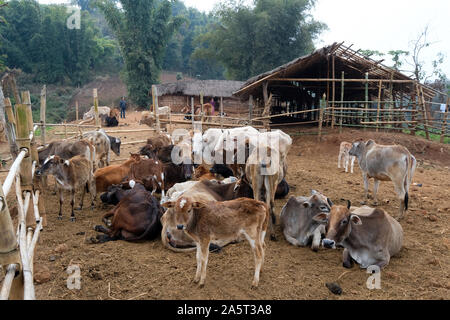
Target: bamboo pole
<point>322,107</point>
<point>76,110</point>
<point>379,102</point>
<point>43,113</point>
<point>110,131</point>
<point>192,113</point>
<point>342,100</point>
<point>250,109</point>
<point>413,115</point>
<point>97,120</point>
<point>424,114</point>
<point>26,100</point>
<point>366,86</point>
<point>201,103</point>
<point>221,112</point>
<point>334,90</point>
<point>11,128</point>
<point>155,107</point>
<point>444,121</point>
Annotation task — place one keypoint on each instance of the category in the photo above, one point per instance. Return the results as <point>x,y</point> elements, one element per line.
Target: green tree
<point>143,28</point>
<point>248,40</point>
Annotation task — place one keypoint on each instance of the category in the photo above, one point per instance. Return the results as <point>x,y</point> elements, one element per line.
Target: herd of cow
<point>219,187</point>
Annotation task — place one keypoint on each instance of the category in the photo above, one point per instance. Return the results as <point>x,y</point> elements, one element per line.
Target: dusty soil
<point>121,270</point>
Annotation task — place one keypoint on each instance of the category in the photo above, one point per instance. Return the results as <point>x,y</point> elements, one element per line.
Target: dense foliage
<point>248,40</point>
<point>35,39</point>
<point>143,29</point>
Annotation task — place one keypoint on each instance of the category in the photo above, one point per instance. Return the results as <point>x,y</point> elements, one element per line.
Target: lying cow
<point>386,163</point>
<point>345,156</point>
<point>369,236</point>
<point>115,174</point>
<point>205,190</point>
<point>101,111</point>
<point>300,222</point>
<point>227,220</point>
<point>71,175</point>
<point>136,217</point>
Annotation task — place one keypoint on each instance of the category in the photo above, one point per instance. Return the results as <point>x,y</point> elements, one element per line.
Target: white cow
<point>344,153</point>
<point>101,111</point>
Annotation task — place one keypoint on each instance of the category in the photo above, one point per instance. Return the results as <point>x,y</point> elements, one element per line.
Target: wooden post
<point>267,104</point>
<point>11,127</point>
<point>334,91</point>
<point>366,117</point>
<point>43,113</point>
<point>201,103</point>
<point>323,104</point>
<point>26,100</point>
<point>76,110</point>
<point>97,120</point>
<point>424,113</point>
<point>413,114</point>
<point>250,109</point>
<point>155,107</point>
<point>221,112</point>
<point>379,104</point>
<point>193,112</point>
<point>342,101</point>
<point>444,121</point>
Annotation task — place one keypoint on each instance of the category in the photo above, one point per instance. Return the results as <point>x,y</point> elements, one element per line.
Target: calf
<point>228,220</point>
<point>136,217</point>
<point>111,122</point>
<point>205,190</point>
<point>344,154</point>
<point>150,172</point>
<point>300,222</point>
<point>71,175</point>
<point>115,144</point>
<point>384,163</point>
<point>101,110</point>
<point>114,174</point>
<point>369,236</point>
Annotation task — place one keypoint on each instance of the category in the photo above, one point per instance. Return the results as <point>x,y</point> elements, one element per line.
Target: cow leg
<point>83,193</point>
<point>317,237</point>
<point>353,163</point>
<point>61,200</point>
<point>102,229</point>
<point>401,193</point>
<point>346,162</point>
<point>347,259</point>
<point>199,264</point>
<point>72,203</point>
<point>102,238</point>
<point>204,257</point>
<point>366,188</point>
<point>376,184</point>
<point>90,186</point>
<point>339,160</point>
<point>292,240</point>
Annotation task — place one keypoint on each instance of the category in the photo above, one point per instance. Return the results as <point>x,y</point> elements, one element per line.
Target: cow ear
<point>355,219</point>
<point>314,192</point>
<point>306,204</point>
<point>321,218</point>
<point>198,205</point>
<point>168,205</point>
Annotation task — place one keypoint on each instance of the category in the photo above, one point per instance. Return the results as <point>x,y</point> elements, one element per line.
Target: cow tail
<point>269,198</point>
<point>410,168</point>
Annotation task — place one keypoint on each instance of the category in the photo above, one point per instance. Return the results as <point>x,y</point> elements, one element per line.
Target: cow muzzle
<point>180,227</point>
<point>329,244</point>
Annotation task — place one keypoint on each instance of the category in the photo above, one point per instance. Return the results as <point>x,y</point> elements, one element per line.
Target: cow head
<point>318,207</point>
<point>115,145</point>
<point>170,235</point>
<point>111,196</point>
<point>181,155</point>
<point>135,156</point>
<point>51,165</point>
<point>183,209</point>
<point>148,151</point>
<point>357,149</point>
<point>340,225</point>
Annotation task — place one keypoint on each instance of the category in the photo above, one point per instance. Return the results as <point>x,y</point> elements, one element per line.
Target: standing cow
<point>345,156</point>
<point>386,163</point>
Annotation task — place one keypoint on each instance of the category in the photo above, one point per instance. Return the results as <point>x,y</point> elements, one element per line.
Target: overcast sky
<point>381,25</point>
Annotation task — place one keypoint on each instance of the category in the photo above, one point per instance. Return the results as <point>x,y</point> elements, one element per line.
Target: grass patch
<point>433,136</point>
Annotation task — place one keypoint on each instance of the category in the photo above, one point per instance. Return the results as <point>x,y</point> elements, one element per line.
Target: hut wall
<point>177,102</point>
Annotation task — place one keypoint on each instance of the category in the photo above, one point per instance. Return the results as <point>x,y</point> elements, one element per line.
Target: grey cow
<point>385,163</point>
<point>369,236</point>
<point>299,219</point>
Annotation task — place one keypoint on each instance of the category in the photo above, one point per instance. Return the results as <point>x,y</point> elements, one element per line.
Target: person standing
<point>123,108</point>
<point>213,103</point>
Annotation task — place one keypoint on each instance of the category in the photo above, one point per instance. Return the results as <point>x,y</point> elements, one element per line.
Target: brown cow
<point>114,174</point>
<point>159,141</point>
<point>72,175</point>
<point>150,172</point>
<point>202,173</point>
<point>228,220</point>
<point>136,217</point>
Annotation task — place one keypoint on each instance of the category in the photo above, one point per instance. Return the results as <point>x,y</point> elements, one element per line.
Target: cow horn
<point>349,204</point>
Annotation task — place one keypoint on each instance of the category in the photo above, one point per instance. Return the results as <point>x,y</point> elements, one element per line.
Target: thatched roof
<point>315,65</point>
<point>209,88</point>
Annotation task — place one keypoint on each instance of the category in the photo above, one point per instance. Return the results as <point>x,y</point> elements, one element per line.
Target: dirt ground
<point>121,270</point>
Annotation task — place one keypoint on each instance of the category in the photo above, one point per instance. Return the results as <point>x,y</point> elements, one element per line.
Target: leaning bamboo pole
<point>444,121</point>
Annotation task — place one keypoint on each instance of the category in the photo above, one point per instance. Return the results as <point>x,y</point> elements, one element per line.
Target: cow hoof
<point>273,238</point>
<point>201,285</point>
<point>73,219</point>
<point>315,249</point>
<point>78,209</point>
<point>363,203</point>
<point>60,218</point>
<point>97,228</point>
